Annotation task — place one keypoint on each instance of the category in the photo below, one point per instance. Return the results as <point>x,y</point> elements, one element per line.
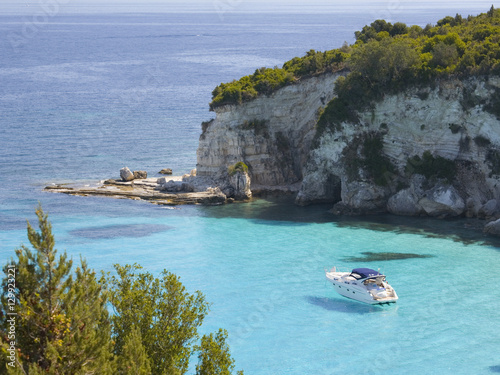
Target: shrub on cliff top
<point>238,167</point>
<point>265,81</point>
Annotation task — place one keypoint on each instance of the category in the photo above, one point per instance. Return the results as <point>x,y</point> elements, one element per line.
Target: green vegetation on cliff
<point>388,58</point>
<point>385,58</point>
<point>266,80</point>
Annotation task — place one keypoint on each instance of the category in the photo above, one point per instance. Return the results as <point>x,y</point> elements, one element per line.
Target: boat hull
<point>357,291</point>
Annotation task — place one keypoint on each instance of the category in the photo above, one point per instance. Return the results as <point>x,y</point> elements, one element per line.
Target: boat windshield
<point>363,273</point>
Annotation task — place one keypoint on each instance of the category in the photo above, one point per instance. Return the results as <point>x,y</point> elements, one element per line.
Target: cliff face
<point>447,122</point>
<point>384,162</point>
<point>272,135</point>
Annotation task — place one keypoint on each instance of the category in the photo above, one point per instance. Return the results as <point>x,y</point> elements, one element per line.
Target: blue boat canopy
<point>364,273</point>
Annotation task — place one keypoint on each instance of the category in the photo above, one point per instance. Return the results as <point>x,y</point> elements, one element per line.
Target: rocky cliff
<point>271,134</point>
<point>426,151</point>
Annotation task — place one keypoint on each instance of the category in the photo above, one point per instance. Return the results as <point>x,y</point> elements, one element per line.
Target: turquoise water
<point>265,280</point>
<point>90,93</point>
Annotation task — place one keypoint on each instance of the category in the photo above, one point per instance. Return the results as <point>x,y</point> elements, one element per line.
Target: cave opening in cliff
<point>333,189</point>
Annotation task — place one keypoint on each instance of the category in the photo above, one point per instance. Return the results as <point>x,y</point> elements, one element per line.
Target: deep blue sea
<point>85,91</point>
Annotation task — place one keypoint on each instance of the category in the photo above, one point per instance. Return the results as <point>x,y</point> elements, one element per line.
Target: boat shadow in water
<point>495,369</point>
<point>345,305</point>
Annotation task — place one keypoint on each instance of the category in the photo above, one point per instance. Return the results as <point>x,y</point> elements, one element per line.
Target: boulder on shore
<point>140,175</point>
<point>442,201</point>
<point>493,228</point>
<point>174,186</point>
<point>126,174</point>
<point>488,210</point>
<point>362,197</point>
<point>405,203</point>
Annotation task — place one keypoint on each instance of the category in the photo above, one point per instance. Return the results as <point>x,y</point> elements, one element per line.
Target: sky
<point>24,7</point>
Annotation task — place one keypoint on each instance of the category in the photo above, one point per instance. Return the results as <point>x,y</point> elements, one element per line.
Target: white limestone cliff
<point>274,137</point>
<point>271,134</point>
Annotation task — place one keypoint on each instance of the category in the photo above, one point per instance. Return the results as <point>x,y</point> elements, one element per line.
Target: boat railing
<point>337,269</point>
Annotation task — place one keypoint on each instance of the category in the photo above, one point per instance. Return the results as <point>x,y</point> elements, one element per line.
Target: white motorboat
<point>362,284</point>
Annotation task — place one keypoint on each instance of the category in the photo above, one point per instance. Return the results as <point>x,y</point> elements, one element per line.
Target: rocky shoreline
<point>171,191</point>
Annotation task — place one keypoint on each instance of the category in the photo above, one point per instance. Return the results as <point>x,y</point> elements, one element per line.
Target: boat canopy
<point>363,273</point>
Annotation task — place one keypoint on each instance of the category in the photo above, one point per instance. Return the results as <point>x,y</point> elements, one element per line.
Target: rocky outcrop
<point>271,134</point>
<point>236,186</point>
<point>488,210</point>
<point>175,191</point>
<point>174,186</point>
<point>437,120</point>
<point>360,198</point>
<point>406,202</point>
<point>450,122</point>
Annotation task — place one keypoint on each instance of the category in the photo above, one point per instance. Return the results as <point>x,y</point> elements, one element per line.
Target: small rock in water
<point>126,174</point>
<point>141,175</point>
<point>166,171</point>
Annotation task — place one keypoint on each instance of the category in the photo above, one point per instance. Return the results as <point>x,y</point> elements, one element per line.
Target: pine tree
<point>133,360</point>
<point>63,326</point>
<point>491,12</point>
<point>167,316</point>
<point>62,320</point>
<point>214,357</point>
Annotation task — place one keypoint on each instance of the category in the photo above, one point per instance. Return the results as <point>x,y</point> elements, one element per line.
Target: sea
<point>86,89</point>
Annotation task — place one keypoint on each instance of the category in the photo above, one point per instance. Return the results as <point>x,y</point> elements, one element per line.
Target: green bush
<point>238,167</point>
<point>265,81</point>
<point>365,152</point>
<point>482,141</point>
<point>374,160</point>
<point>259,127</point>
<point>431,166</point>
<point>493,106</point>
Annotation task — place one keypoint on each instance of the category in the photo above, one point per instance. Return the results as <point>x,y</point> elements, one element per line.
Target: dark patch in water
<point>495,369</point>
<point>369,256</point>
<point>283,211</point>
<point>115,231</point>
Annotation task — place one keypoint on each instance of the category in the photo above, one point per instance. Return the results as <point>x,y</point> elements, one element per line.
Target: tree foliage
<point>265,81</point>
<point>239,167</point>
<point>133,359</point>
<point>384,59</point>
<point>214,356</point>
<point>62,319</point>
<point>165,314</point>
<point>63,326</point>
